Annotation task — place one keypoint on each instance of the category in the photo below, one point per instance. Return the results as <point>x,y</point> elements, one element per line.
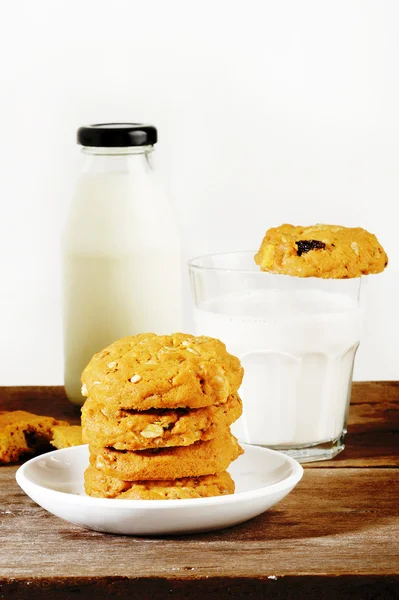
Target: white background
<point>268,112</point>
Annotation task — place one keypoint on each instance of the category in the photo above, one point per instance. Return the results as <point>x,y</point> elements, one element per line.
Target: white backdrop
<point>267,112</point>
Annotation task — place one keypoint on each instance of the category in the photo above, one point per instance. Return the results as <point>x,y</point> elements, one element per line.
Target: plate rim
<point>289,482</point>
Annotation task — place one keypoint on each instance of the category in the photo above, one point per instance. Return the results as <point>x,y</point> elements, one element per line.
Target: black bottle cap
<point>117,135</point>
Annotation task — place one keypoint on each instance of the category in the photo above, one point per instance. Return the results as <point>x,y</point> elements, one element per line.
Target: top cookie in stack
<point>159,410</point>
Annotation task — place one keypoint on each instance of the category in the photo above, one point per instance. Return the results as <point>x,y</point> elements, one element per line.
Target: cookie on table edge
<point>325,251</point>
<point>23,433</point>
<point>66,436</point>
<point>99,485</point>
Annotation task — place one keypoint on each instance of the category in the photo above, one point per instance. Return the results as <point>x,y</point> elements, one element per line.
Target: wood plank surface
<point>346,528</point>
<point>373,428</point>
<point>335,536</point>
<point>373,424</point>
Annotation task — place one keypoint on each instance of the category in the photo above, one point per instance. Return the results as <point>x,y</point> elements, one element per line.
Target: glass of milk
<point>297,340</point>
<point>120,248</point>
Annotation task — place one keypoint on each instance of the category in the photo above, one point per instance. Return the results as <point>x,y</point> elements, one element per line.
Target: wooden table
<point>335,536</point>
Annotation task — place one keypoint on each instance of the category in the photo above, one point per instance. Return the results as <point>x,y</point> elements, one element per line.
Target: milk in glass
<point>297,348</point>
<point>297,340</point>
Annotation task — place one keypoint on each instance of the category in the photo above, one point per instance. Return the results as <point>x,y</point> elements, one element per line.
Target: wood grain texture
<point>338,521</point>
<point>335,536</point>
<point>373,428</point>
<point>373,424</point>
<point>46,400</point>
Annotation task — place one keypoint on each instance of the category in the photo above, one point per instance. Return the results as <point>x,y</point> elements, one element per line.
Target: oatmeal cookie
<point>23,433</point>
<point>126,430</point>
<point>103,486</point>
<point>326,251</point>
<point>66,436</point>
<point>201,458</point>
<point>172,371</point>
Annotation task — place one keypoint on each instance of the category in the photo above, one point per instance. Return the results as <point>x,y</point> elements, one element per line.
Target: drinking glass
<point>297,340</point>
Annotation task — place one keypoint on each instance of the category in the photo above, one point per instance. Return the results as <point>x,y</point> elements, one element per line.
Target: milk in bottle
<point>121,251</point>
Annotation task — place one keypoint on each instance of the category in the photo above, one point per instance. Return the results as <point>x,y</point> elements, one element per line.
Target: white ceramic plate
<point>55,481</point>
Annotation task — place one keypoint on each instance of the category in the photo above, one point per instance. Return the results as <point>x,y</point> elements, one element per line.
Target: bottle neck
<point>126,159</point>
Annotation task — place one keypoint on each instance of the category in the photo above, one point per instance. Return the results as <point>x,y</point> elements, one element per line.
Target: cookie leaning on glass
<point>159,410</point>
<point>326,251</point>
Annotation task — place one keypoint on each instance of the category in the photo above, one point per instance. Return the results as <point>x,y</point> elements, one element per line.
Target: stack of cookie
<point>157,418</point>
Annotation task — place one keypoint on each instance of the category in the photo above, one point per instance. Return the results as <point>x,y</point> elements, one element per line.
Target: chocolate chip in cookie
<point>305,246</point>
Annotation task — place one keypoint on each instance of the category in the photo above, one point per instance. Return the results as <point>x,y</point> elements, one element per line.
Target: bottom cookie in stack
<point>103,486</point>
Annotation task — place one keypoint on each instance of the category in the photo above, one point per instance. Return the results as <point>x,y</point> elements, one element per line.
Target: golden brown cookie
<point>157,428</point>
<point>172,371</point>
<point>103,486</point>
<point>201,458</point>
<point>66,436</point>
<point>24,433</point>
<point>326,251</point>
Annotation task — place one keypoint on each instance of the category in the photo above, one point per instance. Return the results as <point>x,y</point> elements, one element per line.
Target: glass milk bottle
<point>121,251</point>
